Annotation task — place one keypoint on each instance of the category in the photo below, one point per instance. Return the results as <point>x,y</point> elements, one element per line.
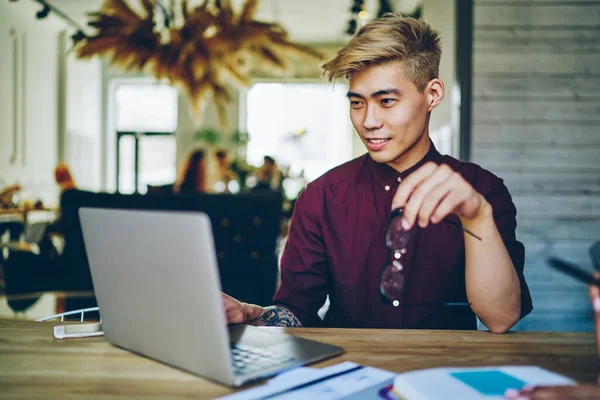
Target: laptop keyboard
<point>248,360</point>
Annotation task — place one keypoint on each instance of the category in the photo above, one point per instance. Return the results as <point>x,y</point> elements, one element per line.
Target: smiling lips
<point>376,144</point>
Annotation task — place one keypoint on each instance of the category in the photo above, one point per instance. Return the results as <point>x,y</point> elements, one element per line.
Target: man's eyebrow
<point>378,93</point>
<point>386,91</point>
<point>353,94</point>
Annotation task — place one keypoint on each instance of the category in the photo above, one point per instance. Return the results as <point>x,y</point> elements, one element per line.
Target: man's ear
<point>434,92</point>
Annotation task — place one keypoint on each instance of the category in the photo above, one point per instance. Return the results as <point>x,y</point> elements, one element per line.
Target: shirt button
<point>387,188</point>
<point>396,303</point>
<point>399,179</point>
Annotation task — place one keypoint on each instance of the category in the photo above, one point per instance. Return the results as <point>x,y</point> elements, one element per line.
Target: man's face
<point>389,112</point>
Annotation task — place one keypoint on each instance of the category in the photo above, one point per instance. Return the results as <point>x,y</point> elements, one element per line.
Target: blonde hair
<point>390,39</point>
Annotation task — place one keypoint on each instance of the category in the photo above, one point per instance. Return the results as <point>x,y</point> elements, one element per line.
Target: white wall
<point>56,105</point>
<point>82,110</point>
<point>536,124</point>
<point>443,127</point>
<point>35,105</point>
<point>9,79</point>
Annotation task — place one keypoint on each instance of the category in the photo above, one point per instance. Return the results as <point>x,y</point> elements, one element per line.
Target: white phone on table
<point>78,330</point>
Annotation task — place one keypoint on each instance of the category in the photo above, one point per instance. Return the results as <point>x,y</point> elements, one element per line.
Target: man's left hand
<point>432,192</point>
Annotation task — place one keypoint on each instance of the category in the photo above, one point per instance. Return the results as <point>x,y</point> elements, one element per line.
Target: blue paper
<point>489,383</point>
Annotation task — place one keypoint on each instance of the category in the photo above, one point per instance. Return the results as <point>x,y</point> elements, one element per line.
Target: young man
<point>337,246</point>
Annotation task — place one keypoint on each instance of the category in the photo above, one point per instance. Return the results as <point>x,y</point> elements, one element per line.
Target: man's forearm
<point>275,316</point>
<point>492,284</point>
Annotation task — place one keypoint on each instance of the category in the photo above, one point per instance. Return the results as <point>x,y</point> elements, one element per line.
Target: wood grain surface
<point>34,365</point>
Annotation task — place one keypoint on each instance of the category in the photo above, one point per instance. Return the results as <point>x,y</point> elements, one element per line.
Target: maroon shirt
<point>336,247</point>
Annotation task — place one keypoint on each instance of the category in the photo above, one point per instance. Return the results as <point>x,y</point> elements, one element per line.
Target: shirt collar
<point>386,176</point>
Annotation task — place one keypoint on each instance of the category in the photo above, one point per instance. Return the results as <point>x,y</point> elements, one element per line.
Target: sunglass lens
<point>397,237</point>
<point>392,281</point>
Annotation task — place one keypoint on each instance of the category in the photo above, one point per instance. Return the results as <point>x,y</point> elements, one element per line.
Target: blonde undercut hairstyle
<point>410,42</point>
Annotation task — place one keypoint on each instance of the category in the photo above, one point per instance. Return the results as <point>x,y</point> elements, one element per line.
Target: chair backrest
<point>245,227</point>
<point>160,189</point>
<point>34,232</point>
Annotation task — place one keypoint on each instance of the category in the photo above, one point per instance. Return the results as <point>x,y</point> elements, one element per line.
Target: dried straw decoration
<point>211,45</point>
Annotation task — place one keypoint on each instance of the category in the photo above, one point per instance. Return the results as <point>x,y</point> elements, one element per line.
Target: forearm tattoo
<point>276,316</point>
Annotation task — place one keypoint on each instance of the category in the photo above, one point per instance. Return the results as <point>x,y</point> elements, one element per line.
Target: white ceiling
<point>308,21</point>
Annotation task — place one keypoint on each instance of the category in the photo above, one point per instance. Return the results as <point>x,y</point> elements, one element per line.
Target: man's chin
<point>381,157</point>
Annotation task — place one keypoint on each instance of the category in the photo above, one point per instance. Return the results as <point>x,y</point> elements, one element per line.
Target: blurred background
<point>521,100</point>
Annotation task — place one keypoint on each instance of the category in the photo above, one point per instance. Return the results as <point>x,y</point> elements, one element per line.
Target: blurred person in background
<point>64,178</point>
<point>192,178</point>
<point>223,173</point>
<point>268,176</point>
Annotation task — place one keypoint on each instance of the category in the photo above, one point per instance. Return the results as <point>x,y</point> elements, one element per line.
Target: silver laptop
<point>156,281</point>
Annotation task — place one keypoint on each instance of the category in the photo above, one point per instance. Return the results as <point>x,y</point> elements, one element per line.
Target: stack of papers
<point>346,380</point>
<point>352,381</point>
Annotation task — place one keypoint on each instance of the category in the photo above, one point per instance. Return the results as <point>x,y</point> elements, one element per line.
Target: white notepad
<point>346,380</point>
<point>471,383</point>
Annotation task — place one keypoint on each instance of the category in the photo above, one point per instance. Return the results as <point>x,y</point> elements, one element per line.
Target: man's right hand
<point>238,312</point>
<point>594,292</point>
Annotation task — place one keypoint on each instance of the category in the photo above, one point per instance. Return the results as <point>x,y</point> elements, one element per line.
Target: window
<point>146,120</point>
<point>146,107</point>
<point>304,126</point>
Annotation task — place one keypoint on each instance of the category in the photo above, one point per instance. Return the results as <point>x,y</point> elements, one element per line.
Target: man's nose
<point>372,120</point>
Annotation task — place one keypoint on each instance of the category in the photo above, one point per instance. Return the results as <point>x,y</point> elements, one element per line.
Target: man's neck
<point>413,154</point>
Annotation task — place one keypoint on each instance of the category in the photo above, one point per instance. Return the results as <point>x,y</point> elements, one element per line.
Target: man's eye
<point>356,104</point>
<point>388,102</point>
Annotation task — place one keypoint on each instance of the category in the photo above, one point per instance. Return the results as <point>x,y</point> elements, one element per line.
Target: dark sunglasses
<point>392,279</point>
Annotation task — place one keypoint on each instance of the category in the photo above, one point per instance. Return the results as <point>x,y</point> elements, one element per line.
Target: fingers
<point>411,182</point>
<point>582,392</point>
<point>234,310</point>
<point>227,300</point>
<point>235,315</point>
<point>595,299</point>
<point>447,200</point>
<point>432,186</point>
<point>431,199</point>
<point>595,294</point>
<point>432,192</point>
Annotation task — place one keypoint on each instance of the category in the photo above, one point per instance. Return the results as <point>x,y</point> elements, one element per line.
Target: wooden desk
<point>21,212</point>
<point>33,364</point>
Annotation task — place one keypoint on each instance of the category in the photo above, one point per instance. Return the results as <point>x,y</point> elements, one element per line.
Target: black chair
<point>15,229</point>
<point>594,251</point>
<point>245,228</point>
<point>29,268</point>
<point>26,276</point>
<point>160,189</point>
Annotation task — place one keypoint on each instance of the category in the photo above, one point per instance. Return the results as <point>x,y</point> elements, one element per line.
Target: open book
<point>471,383</point>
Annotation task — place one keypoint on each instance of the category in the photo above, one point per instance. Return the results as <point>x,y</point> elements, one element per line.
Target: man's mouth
<point>376,144</point>
<point>377,141</point>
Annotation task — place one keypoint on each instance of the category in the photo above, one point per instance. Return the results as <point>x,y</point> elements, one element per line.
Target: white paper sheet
<point>330,387</point>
